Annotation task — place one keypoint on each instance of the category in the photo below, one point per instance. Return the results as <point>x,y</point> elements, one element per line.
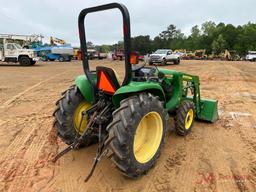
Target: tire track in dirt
<point>243,127</point>
<point>252,171</point>
<point>25,163</point>
<point>248,133</point>
<point>159,179</point>
<point>30,158</point>
<point>162,182</point>
<point>238,178</point>
<point>13,99</point>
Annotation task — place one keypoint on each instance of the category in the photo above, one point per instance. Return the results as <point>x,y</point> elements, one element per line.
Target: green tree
<point>158,43</point>
<point>211,36</point>
<point>195,39</point>
<point>90,45</point>
<point>142,44</point>
<point>208,28</point>
<point>219,44</point>
<point>171,33</point>
<point>195,32</point>
<point>103,48</point>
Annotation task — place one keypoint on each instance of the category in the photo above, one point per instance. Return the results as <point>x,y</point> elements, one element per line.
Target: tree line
<point>212,37</point>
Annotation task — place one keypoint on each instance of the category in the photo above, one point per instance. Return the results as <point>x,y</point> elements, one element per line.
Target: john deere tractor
<point>128,120</point>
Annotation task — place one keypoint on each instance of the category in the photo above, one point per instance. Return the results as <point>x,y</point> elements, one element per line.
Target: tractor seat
<point>107,80</point>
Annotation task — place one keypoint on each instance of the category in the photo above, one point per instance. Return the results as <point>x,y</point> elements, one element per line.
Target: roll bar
<point>126,33</point>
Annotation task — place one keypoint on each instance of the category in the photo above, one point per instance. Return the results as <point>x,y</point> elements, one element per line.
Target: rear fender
<point>85,88</point>
<point>137,87</point>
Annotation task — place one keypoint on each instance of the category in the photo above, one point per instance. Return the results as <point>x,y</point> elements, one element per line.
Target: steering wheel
<point>138,66</point>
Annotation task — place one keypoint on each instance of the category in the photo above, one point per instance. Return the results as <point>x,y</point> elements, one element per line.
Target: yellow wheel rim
<point>78,115</point>
<point>189,119</point>
<point>148,137</point>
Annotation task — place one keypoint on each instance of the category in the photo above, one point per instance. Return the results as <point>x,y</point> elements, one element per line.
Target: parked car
<point>163,56</point>
<point>251,56</point>
<point>118,54</point>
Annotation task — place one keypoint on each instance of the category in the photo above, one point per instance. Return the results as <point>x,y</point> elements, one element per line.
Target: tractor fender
<point>137,87</point>
<point>85,88</point>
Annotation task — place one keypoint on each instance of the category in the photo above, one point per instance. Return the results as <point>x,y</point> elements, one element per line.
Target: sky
<point>58,18</point>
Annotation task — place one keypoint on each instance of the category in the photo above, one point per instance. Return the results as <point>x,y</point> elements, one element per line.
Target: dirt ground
<point>214,157</point>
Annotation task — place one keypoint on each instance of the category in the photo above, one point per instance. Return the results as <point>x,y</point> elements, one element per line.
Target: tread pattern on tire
<point>122,130</point>
<point>22,63</point>
<point>177,62</point>
<point>180,117</point>
<point>63,114</point>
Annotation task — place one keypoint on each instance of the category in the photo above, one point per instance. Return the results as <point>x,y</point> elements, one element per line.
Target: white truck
<point>163,56</point>
<point>251,56</point>
<point>13,52</point>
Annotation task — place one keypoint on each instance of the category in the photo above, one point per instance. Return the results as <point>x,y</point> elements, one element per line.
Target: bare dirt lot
<point>214,157</point>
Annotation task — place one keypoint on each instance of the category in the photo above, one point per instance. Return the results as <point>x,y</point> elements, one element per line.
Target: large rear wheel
<point>68,115</point>
<point>137,134</point>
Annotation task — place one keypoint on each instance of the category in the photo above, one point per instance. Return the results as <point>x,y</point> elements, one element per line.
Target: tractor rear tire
<point>184,118</point>
<point>64,114</point>
<point>135,152</point>
<point>24,61</point>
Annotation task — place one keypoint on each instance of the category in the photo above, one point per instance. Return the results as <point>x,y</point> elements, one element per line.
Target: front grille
<point>155,57</point>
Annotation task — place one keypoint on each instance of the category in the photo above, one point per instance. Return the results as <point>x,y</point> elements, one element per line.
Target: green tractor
<point>128,120</point>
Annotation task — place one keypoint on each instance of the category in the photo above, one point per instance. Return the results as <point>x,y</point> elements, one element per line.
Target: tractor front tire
<point>137,134</point>
<point>68,114</point>
<point>184,118</point>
